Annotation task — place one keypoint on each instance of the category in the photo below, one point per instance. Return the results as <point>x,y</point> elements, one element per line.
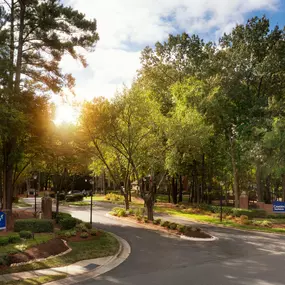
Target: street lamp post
<point>35,192</point>
<point>92,182</point>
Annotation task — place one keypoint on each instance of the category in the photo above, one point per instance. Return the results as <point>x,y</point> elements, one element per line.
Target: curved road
<point>239,258</point>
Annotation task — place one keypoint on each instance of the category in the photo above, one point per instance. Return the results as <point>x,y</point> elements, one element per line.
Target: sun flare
<point>66,113</point>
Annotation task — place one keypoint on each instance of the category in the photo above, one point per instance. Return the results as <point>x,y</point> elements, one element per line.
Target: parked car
<point>73,196</point>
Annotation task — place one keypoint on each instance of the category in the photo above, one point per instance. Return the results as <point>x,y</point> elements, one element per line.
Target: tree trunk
<point>283,187</point>
<point>267,197</point>
<point>180,198</point>
<point>235,173</point>
<point>259,182</point>
<point>195,183</point>
<point>174,191</point>
<point>20,47</point>
<point>168,192</point>
<point>203,183</point>
<point>127,203</point>
<point>12,47</point>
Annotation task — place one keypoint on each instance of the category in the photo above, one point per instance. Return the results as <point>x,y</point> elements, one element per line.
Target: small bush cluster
<point>34,225</point>
<point>265,223</point>
<point>93,232</point>
<point>67,223</point>
<point>26,234</point>
<point>119,212</point>
<point>244,220</point>
<point>60,216</point>
<point>114,197</point>
<point>156,221</point>
<point>84,235</point>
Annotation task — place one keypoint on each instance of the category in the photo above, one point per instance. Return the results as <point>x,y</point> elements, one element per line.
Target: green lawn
<point>100,246</point>
<point>215,220</point>
<point>35,281</point>
<point>14,248</point>
<point>20,204</point>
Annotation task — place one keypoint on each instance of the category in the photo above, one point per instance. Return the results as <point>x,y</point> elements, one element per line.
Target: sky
<point>125,27</point>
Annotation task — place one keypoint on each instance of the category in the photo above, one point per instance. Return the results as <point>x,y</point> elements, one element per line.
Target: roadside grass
<point>216,221</point>
<point>25,244</point>
<point>99,246</point>
<point>20,204</point>
<point>36,280</point>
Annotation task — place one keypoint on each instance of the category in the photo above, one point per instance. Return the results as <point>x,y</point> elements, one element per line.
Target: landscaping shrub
<point>93,232</point>
<point>34,225</point>
<point>14,238</point>
<point>156,221</point>
<point>67,234</point>
<point>88,226</point>
<point>60,216</point>
<point>4,260</point>
<point>121,213</point>
<point>165,224</point>
<point>145,220</point>
<point>276,216</point>
<point>84,235</point>
<point>131,212</point>
<point>114,197</point>
<point>244,220</point>
<point>81,227</point>
<point>139,218</point>
<point>266,224</point>
<point>73,233</point>
<point>4,240</point>
<point>139,212</point>
<point>172,226</point>
<point>256,213</point>
<point>181,228</point>
<point>74,197</point>
<point>67,223</point>
<point>26,234</point>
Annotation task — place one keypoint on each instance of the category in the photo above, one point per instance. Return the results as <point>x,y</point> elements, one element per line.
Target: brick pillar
<point>243,200</point>
<point>46,208</point>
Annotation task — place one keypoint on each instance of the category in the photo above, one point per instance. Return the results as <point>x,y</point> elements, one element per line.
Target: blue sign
<point>2,221</point>
<point>279,207</point>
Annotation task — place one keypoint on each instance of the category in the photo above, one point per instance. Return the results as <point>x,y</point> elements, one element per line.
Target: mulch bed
<point>195,234</point>
<point>44,250</point>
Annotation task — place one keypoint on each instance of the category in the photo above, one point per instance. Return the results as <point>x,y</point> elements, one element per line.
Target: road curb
<point>114,261</point>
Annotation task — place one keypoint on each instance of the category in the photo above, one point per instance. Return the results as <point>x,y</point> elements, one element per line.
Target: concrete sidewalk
<point>78,271</point>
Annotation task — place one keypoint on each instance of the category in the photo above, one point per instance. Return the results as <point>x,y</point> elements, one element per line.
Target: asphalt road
<point>235,258</point>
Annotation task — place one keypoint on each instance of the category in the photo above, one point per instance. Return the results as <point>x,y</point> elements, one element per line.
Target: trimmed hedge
<point>67,223</point>
<point>237,212</point>
<point>34,225</point>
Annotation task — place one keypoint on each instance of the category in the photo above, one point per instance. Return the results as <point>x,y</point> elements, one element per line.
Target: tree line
<point>199,116</point>
<point>211,113</point>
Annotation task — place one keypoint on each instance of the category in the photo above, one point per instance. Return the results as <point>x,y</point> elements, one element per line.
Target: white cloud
<point>126,26</point>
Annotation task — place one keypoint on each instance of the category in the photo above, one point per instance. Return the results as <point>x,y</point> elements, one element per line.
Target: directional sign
<point>279,207</point>
<point>2,221</point>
